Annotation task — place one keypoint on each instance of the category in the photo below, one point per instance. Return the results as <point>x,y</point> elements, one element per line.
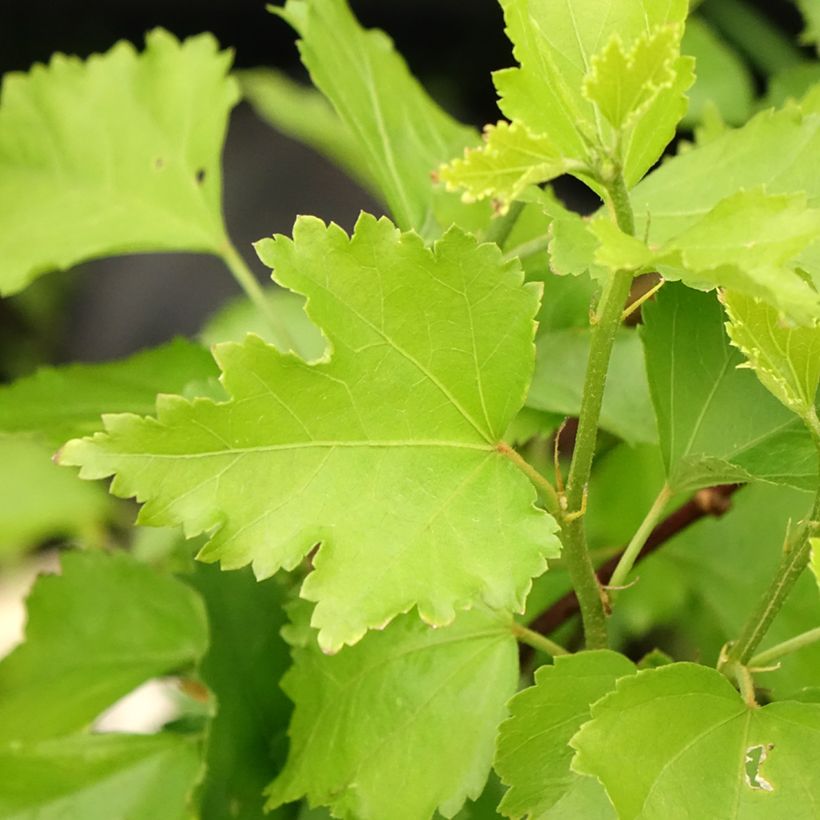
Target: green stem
<point>546,489</point>
<point>576,552</point>
<point>536,640</point>
<point>795,560</point>
<point>253,290</point>
<point>753,34</point>
<point>769,656</point>
<point>500,228</point>
<point>633,549</point>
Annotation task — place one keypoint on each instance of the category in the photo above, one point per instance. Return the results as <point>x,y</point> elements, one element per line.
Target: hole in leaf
<point>159,163</point>
<point>753,762</point>
<point>200,176</point>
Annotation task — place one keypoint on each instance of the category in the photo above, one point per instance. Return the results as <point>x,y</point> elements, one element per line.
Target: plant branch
<point>607,321</point>
<point>633,549</point>
<point>253,290</point>
<point>715,501</point>
<point>501,227</point>
<point>536,641</point>
<point>527,249</point>
<point>780,650</point>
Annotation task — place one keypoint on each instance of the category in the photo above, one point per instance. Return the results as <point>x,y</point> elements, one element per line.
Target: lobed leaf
<point>401,131</point>
<point>703,751</point>
<point>120,154</point>
<point>696,386</point>
<point>303,453</point>
<point>786,359</point>
<point>401,724</point>
<point>533,755</point>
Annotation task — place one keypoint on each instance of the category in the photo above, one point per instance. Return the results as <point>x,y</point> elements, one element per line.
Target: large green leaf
<point>558,383</point>
<point>533,755</point>
<point>564,88</point>
<point>99,777</point>
<point>305,453</point>
<point>302,112</point>
<point>703,752</point>
<point>62,402</point>
<point>401,724</point>
<point>115,155</point>
<point>94,633</point>
<point>246,657</point>
<point>811,14</point>
<point>401,131</point>
<point>786,359</point>
<point>40,501</point>
<point>716,422</point>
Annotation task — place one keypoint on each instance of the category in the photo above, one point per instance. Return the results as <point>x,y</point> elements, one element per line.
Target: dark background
<point>114,307</point>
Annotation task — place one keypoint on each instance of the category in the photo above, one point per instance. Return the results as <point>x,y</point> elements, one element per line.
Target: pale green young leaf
<point>533,756</point>
<point>623,84</point>
<point>118,154</point>
<point>246,658</point>
<point>294,331</point>
<point>41,501</point>
<point>85,649</point>
<point>59,403</point>
<point>703,751</point>
<point>785,358</point>
<point>723,79</point>
<point>815,558</point>
<point>99,777</point>
<point>404,135</point>
<point>696,386</point>
<point>556,43</point>
<point>401,724</point>
<point>305,453</point>
<point>558,383</point>
<point>510,160</point>
<point>303,113</point>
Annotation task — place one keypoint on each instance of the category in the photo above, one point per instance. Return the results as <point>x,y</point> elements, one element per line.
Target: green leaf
<point>786,359</point>
<point>750,242</point>
<point>302,113</point>
<point>85,649</point>
<point>119,154</point>
<point>723,79</point>
<point>241,316</point>
<point>696,387</point>
<point>796,82</point>
<point>558,383</point>
<point>562,50</point>
<point>533,756</point>
<point>684,189</point>
<point>815,558</point>
<point>510,160</point>
<point>703,751</point>
<point>811,15</point>
<point>99,777</point>
<point>402,132</point>
<point>305,453</point>
<point>426,745</point>
<point>40,501</point>
<point>62,402</point>
<point>246,657</point>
